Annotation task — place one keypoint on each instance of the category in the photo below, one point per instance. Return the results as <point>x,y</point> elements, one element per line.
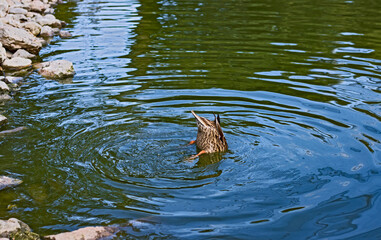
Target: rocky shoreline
<point>25,27</point>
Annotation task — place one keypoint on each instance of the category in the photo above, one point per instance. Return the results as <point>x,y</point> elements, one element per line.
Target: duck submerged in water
<point>210,137</point>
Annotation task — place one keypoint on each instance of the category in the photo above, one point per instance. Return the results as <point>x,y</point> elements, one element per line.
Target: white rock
<point>15,38</point>
<point>65,34</point>
<point>47,31</point>
<point>5,97</point>
<point>49,20</point>
<point>17,228</point>
<point>49,11</point>
<point>3,53</point>
<point>17,63</point>
<point>86,233</point>
<point>37,6</point>
<point>3,8</point>
<point>4,87</point>
<point>23,54</point>
<point>3,120</point>
<point>11,80</point>
<point>7,182</point>
<point>32,27</point>
<point>16,10</point>
<point>57,69</point>
<point>12,20</point>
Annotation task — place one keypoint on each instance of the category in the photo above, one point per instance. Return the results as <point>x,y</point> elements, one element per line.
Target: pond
<point>297,85</point>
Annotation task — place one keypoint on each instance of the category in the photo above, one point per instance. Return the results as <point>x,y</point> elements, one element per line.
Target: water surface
<point>298,88</point>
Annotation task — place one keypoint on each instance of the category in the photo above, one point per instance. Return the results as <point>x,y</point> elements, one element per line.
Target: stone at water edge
<point>11,80</point>
<point>86,233</point>
<point>57,69</point>
<point>5,97</point>
<point>3,120</point>
<point>65,34</point>
<point>17,63</point>
<point>47,31</point>
<point>4,87</point>
<point>16,229</point>
<point>7,182</point>
<point>49,20</point>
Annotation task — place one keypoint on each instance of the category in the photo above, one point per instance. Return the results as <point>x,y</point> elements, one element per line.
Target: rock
<point>11,80</point>
<point>57,69</point>
<point>49,20</point>
<point>49,11</point>
<point>16,10</point>
<point>4,87</point>
<point>65,34</point>
<point>7,182</point>
<point>15,38</point>
<point>32,27</point>
<point>16,229</point>
<point>15,130</point>
<point>5,97</point>
<point>23,54</point>
<point>3,8</point>
<point>87,233</point>
<point>17,63</point>
<point>3,120</point>
<point>47,31</point>
<point>37,6</point>
<point>11,19</point>
<point>3,53</point>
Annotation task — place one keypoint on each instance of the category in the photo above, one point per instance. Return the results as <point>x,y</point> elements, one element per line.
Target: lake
<point>297,85</point>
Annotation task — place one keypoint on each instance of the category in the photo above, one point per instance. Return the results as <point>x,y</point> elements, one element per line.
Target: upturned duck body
<point>210,137</point>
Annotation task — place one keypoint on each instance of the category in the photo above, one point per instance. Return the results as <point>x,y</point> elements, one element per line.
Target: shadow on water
<point>297,85</point>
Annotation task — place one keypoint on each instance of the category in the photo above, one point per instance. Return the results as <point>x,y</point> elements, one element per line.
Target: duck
<point>210,137</point>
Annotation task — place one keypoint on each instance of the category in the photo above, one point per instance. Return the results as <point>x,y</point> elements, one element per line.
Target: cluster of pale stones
<point>16,229</point>
<point>25,27</point>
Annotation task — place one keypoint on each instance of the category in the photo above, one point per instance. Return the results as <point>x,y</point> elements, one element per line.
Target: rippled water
<point>298,88</point>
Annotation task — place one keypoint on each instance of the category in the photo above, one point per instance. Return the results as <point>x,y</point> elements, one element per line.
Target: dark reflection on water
<point>297,85</point>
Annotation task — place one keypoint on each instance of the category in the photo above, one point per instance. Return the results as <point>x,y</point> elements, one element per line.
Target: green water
<point>298,88</point>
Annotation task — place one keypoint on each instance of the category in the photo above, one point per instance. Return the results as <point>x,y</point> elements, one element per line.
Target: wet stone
<point>86,233</point>
<point>57,69</point>
<point>8,182</point>
<point>11,80</point>
<point>3,120</point>
<point>16,229</point>
<point>4,87</point>
<point>65,34</point>
<point>5,97</point>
